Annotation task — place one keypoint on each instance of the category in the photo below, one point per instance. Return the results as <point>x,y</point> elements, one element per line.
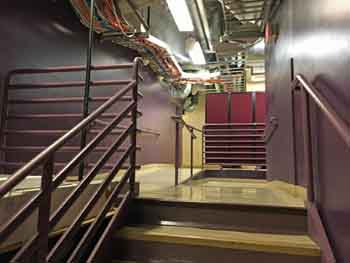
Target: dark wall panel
<point>48,33</point>
<point>217,108</point>
<point>260,108</point>
<point>316,34</point>
<point>241,108</point>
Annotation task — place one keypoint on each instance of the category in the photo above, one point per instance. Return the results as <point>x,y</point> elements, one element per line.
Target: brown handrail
<point>274,126</point>
<point>191,129</point>
<point>46,222</point>
<point>338,123</point>
<point>309,91</point>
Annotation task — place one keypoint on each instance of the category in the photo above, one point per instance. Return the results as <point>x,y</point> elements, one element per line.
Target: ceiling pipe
<point>200,19</point>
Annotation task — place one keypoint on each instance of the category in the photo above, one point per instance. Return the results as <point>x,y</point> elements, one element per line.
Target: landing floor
<point>157,182</point>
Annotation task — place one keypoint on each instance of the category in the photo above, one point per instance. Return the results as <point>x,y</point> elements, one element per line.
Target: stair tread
<point>235,141</point>
<point>234,124</point>
<point>237,158</point>
<point>234,135</point>
<point>235,147</point>
<point>234,130</point>
<point>234,152</point>
<point>272,243</point>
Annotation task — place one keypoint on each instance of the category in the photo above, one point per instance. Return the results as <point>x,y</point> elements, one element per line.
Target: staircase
<point>234,144</point>
<point>186,231</point>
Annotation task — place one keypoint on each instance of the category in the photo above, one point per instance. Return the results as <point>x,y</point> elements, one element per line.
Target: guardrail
<point>309,92</point>
<point>37,246</point>
<point>191,129</point>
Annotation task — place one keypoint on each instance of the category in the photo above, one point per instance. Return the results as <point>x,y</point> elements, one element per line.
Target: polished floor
<point>157,182</point>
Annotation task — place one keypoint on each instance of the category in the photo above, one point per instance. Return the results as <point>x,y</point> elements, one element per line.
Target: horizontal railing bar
<point>17,219</point>
<point>66,84</point>
<point>113,224</point>
<point>70,84</point>
<point>51,132</point>
<point>63,149</point>
<point>55,100</point>
<point>89,235</point>
<point>339,124</point>
<point>58,115</point>
<point>69,69</point>
<point>20,164</point>
<point>93,143</point>
<point>60,247</point>
<point>35,162</point>
<point>63,100</point>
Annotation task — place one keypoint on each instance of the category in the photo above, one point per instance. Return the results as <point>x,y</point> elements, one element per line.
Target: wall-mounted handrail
<point>338,123</point>
<point>191,129</point>
<point>50,182</point>
<point>309,91</point>
<point>271,131</point>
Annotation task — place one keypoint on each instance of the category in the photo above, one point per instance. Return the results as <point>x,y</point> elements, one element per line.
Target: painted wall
<point>316,34</point>
<point>49,33</point>
<point>196,119</point>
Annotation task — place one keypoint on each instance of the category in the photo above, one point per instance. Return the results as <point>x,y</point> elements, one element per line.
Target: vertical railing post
<point>203,148</point>
<point>4,113</point>
<point>87,83</point>
<point>44,210</point>
<point>133,138</point>
<point>177,149</point>
<point>293,94</point>
<point>191,149</point>
<point>307,149</point>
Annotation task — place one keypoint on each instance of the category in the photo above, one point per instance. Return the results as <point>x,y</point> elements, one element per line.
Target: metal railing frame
<point>50,182</point>
<point>179,121</point>
<point>310,93</point>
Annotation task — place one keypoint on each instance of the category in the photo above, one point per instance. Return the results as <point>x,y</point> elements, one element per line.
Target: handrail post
<point>191,149</point>
<point>44,210</point>
<point>177,149</point>
<point>4,113</point>
<point>307,149</point>
<point>133,138</point>
<point>87,84</point>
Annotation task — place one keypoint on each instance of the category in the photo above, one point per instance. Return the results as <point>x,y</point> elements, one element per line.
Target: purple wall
<point>316,34</point>
<point>48,33</point>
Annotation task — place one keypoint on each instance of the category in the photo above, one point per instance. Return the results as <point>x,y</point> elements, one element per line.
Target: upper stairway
<point>234,144</point>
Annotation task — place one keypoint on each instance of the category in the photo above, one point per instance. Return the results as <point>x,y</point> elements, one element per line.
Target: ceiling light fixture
<point>181,14</point>
<point>196,54</point>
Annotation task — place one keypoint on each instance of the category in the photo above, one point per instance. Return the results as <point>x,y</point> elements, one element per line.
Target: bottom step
<point>184,244</point>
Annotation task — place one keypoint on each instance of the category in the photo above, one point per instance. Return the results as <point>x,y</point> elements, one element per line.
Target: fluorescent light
<point>196,54</point>
<point>181,14</point>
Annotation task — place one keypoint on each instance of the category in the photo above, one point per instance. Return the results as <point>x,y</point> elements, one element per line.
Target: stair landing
<point>233,191</point>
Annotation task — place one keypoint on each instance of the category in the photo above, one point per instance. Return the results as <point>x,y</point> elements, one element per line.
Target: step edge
<point>141,234</point>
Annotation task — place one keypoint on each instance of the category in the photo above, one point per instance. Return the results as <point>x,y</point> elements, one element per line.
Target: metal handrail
<point>191,129</point>
<point>188,127</point>
<point>274,126</point>
<point>338,123</point>
<point>300,83</point>
<point>42,200</point>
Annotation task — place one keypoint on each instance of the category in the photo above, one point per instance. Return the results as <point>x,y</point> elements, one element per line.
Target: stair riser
<point>234,132</point>
<point>219,216</point>
<point>160,252</point>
